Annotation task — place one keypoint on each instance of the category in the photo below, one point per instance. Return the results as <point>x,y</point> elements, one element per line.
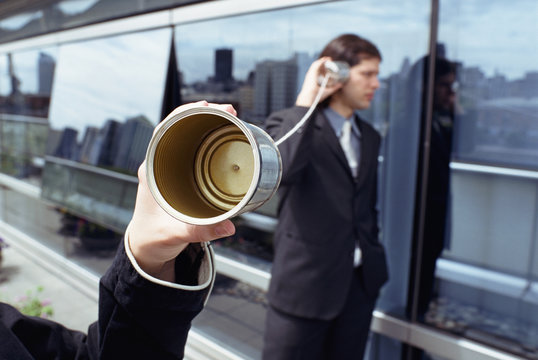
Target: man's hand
<point>311,87</point>
<point>156,238</point>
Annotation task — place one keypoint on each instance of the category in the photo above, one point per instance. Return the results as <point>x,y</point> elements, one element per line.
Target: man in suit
<point>328,264</point>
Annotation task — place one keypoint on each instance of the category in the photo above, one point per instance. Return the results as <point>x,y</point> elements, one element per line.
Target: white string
<point>308,113</point>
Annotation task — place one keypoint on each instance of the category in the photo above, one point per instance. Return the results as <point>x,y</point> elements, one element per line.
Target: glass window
<point>27,82</point>
<point>79,240</point>
<point>234,316</point>
<point>257,62</point>
<point>497,84</point>
<point>5,84</point>
<point>107,99</point>
<point>478,269</point>
<point>25,90</point>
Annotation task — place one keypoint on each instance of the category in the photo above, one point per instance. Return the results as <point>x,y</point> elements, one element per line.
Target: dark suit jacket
<point>322,213</point>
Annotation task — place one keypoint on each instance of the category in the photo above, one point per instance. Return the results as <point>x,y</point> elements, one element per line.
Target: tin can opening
<point>203,165</point>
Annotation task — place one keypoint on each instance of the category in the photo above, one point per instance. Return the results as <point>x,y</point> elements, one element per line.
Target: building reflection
<point>270,86</point>
<point>30,103</point>
<point>116,146</point>
<point>497,112</point>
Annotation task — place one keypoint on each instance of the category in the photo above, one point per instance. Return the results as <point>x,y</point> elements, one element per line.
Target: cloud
<point>108,78</point>
<point>491,35</point>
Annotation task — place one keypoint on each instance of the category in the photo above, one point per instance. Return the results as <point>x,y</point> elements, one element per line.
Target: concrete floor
<point>18,274</point>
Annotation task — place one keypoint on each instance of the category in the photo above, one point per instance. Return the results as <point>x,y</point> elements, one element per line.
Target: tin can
<point>205,165</point>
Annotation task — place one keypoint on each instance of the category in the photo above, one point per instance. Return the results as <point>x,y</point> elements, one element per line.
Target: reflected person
<point>438,185</point>
<point>158,282</point>
<point>328,265</point>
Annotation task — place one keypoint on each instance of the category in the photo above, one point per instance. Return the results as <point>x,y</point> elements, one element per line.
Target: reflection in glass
<point>76,238</point>
<point>254,69</point>
<point>438,168</point>
<point>497,83</point>
<point>5,83</point>
<point>27,83</point>
<point>234,314</point>
<point>107,100</point>
<point>478,269</point>
<point>25,90</point>
<point>103,196</point>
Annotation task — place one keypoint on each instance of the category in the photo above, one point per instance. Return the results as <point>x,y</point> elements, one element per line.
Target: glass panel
<point>102,196</point>
<point>257,62</point>
<point>5,83</point>
<point>107,100</point>
<point>496,119</point>
<point>25,89</point>
<point>383,347</point>
<point>26,84</point>
<point>74,237</point>
<point>234,316</point>
<point>480,236</point>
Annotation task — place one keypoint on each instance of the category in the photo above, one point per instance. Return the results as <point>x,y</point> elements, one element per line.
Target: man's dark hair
<point>351,49</point>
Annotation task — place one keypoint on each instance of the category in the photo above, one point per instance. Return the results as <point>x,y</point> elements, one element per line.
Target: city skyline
<point>298,30</point>
<point>258,74</point>
<point>115,145</point>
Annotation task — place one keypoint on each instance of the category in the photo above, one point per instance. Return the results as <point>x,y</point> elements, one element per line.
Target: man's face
<point>444,95</point>
<point>358,92</point>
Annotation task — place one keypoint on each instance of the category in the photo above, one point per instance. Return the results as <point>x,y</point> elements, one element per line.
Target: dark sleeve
<point>25,337</point>
<point>138,319</point>
<point>295,151</point>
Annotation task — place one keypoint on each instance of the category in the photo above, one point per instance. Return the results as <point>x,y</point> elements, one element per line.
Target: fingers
<point>202,233</point>
<point>225,107</point>
<point>311,85</point>
<point>223,229</point>
<point>316,64</point>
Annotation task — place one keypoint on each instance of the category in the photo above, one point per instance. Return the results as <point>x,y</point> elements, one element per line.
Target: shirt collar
<point>337,121</point>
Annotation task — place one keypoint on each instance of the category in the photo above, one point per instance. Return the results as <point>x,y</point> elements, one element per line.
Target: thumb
<point>213,232</point>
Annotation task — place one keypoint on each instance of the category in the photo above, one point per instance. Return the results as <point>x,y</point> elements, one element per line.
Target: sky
<point>498,36</point>
<point>114,78</point>
<point>485,33</point>
<point>398,31</point>
<point>490,34</point>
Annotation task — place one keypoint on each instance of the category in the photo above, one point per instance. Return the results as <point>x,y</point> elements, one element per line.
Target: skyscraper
<point>46,65</point>
<point>135,135</point>
<point>223,65</point>
<point>275,86</point>
<point>67,147</point>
